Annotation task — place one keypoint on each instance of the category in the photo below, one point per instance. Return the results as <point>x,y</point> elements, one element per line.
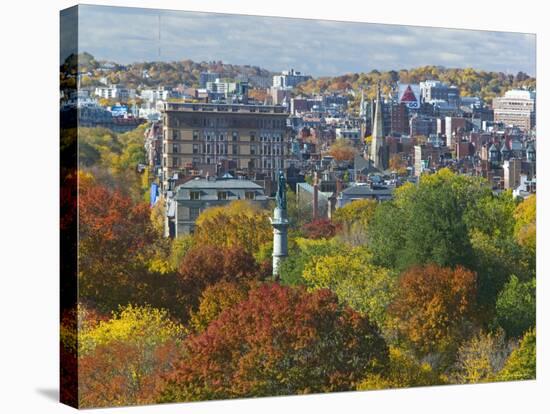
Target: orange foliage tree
<point>279,341</point>
<point>431,305</point>
<point>342,150</point>
<point>116,239</point>
<point>205,265</point>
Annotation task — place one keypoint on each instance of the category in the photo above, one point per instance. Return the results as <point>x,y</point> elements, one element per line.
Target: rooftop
<point>205,183</point>
<point>218,107</point>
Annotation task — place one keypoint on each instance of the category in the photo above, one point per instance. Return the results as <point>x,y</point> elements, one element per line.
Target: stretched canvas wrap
<point>262,206</point>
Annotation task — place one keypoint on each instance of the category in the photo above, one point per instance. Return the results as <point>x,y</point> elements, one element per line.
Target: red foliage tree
<point>206,265</point>
<point>432,304</point>
<point>120,373</point>
<point>278,341</point>
<point>114,233</point>
<point>320,229</point>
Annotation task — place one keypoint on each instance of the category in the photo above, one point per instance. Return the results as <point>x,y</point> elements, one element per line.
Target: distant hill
<point>185,72</point>
<point>471,82</point>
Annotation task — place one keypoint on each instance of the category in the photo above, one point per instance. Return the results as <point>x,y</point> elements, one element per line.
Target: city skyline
<point>323,48</point>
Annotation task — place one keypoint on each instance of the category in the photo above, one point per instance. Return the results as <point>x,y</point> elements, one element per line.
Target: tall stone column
<point>280,238</point>
<point>280,225</point>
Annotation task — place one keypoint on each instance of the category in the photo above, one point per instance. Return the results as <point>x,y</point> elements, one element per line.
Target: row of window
<point>222,195</point>
<point>266,163</point>
<point>221,148</point>
<point>224,136</point>
<point>233,122</point>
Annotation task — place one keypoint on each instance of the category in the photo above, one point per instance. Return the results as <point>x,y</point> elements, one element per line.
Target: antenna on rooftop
<point>159,37</point>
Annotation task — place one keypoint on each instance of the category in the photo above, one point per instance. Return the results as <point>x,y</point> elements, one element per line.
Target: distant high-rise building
<point>289,79</point>
<point>399,118</point>
<point>206,77</point>
<point>432,90</point>
<point>517,108</point>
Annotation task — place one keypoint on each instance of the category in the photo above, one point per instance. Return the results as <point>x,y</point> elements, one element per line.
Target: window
<point>195,148</point>
<point>252,137</point>
<point>175,162</point>
<point>249,195</point>
<point>195,135</point>
<point>235,150</point>
<point>222,195</point>
<point>175,134</point>
<point>194,195</point>
<point>194,213</point>
<point>175,148</point>
<point>235,136</point>
<point>253,150</point>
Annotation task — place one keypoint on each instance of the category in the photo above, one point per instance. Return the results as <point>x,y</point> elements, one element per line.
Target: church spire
<point>377,144</point>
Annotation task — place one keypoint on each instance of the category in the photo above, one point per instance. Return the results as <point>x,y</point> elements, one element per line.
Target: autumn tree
<point>354,219</point>
<point>526,227</point>
<point>203,266</point>
<point>239,223</point>
<point>320,229</point>
<point>522,363</point>
<point>280,341</point>
<point>342,150</point>
<point>404,371</point>
<point>398,164</point>
<point>114,233</point>
<point>122,360</point>
<point>432,305</point>
<point>480,358</point>
<point>351,275</point>
<point>301,252</point>
<point>214,299</point>
<point>451,220</point>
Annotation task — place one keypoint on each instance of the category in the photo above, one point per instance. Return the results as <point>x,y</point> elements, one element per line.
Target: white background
<point>29,205</point>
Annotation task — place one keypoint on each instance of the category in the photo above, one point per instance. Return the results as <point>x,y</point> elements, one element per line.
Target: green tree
<point>516,306</point>
<point>522,363</point>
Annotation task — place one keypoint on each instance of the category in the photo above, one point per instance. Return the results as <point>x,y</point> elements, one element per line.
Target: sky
<point>314,47</point>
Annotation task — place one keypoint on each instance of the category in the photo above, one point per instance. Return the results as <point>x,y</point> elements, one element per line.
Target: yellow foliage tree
<point>145,325</point>
<point>404,371</point>
<point>239,223</point>
<point>363,286</point>
<point>526,223</point>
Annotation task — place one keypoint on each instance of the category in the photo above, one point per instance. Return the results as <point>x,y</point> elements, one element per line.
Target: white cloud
<point>312,46</point>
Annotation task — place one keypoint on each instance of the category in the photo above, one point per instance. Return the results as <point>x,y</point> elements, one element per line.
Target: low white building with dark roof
<point>363,191</point>
<point>195,196</point>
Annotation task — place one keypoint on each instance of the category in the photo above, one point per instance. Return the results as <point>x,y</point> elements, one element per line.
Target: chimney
<point>315,196</point>
<point>338,186</point>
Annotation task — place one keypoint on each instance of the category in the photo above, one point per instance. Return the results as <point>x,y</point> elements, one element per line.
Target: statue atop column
<point>281,191</point>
